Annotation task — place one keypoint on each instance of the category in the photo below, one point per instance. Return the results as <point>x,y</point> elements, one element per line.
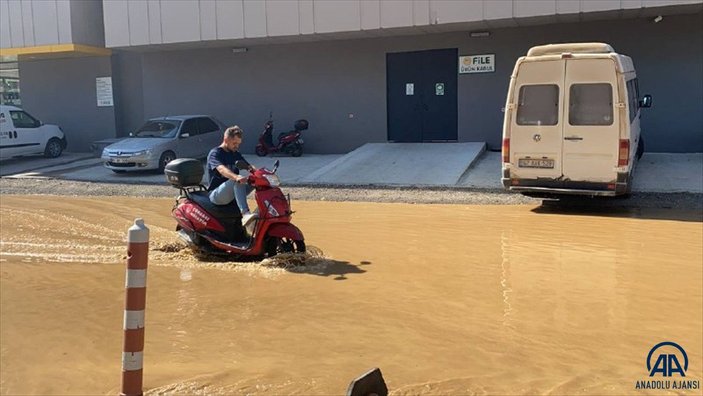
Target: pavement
<point>450,165</point>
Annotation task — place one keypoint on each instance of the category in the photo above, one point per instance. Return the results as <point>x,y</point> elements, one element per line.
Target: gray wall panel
<point>528,8</point>
<point>254,18</point>
<point>63,18</point>
<point>599,5</point>
<point>396,13</point>
<point>87,23</point>
<point>175,21</point>
<point>421,12</point>
<point>631,4</point>
<point>44,96</point>
<point>15,26</point>
<point>568,6</point>
<point>335,16</point>
<point>208,20</point>
<point>370,14</point>
<point>322,83</point>
<point>230,19</point>
<point>498,9</point>
<point>449,11</point>
<point>5,35</point>
<point>138,22</point>
<point>116,22</point>
<point>282,17</point>
<point>46,29</point>
<point>179,21</point>
<point>28,24</point>
<point>154,12</point>
<point>305,9</point>
<point>128,92</point>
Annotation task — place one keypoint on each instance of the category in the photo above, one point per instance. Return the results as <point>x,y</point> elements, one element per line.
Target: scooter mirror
<point>275,165</point>
<point>241,165</point>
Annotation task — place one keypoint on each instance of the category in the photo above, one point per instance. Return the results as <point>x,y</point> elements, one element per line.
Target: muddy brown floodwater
<point>445,299</point>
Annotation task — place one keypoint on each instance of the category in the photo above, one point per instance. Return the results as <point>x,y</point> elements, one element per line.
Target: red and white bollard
<point>135,302</point>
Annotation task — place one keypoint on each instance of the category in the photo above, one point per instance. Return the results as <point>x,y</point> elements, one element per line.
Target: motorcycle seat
<point>221,212</point>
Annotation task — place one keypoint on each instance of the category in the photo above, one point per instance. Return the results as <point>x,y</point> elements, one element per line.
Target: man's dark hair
<point>234,131</point>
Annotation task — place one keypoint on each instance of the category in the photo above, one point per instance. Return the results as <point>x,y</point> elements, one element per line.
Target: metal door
<point>591,123</point>
<point>422,95</point>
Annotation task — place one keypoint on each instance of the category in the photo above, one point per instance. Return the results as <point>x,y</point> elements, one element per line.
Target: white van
<point>572,121</point>
<point>22,134</point>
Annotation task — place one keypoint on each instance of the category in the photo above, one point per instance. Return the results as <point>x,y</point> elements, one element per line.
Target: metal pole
<point>135,302</point>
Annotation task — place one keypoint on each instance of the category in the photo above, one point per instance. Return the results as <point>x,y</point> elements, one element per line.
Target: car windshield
<point>159,128</point>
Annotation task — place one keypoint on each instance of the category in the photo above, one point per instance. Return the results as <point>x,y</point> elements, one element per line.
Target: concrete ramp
<point>400,164</point>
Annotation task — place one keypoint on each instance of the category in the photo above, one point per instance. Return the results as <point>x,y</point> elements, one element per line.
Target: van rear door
<point>591,124</point>
<point>536,125</point>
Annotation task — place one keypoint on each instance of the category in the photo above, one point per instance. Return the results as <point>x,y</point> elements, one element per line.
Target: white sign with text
<point>103,88</point>
<point>477,63</point>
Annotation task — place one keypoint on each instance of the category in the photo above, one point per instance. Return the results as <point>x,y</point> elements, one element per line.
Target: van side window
<point>633,101</point>
<point>591,104</point>
<point>538,105</point>
<point>23,120</point>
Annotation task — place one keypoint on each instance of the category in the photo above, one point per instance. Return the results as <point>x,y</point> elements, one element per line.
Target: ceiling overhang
<point>52,52</point>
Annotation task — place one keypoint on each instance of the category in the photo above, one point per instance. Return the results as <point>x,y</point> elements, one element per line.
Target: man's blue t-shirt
<point>219,156</point>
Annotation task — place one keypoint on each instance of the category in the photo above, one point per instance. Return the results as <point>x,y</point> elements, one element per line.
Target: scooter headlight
<point>273,180</point>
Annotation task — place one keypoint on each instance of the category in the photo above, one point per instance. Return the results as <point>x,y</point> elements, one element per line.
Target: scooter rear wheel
<point>260,151</point>
<point>297,150</point>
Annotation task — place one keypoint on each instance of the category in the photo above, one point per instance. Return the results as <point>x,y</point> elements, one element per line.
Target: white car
<point>22,134</point>
<point>161,140</point>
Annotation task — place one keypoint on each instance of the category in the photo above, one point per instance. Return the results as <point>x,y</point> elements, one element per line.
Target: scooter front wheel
<point>260,151</point>
<point>275,246</point>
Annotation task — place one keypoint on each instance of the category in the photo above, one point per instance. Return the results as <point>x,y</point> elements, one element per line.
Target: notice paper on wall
<point>103,88</point>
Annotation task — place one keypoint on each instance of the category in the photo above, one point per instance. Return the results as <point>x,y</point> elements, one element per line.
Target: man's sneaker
<point>246,217</point>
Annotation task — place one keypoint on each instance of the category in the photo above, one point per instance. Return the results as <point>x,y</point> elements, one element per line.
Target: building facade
<point>359,70</point>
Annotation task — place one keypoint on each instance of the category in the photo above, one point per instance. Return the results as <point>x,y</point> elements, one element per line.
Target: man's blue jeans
<point>229,191</point>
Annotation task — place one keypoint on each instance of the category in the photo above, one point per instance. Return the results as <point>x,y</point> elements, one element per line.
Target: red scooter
<point>289,142</point>
<point>218,230</point>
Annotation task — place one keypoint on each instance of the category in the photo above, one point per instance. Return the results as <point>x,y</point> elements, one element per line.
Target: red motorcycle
<point>218,230</point>
<point>288,142</point>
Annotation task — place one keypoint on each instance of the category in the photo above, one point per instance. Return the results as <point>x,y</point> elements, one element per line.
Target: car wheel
<point>53,148</point>
<point>166,157</point>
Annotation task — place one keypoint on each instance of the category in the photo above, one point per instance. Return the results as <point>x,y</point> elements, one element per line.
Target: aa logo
<point>665,358</point>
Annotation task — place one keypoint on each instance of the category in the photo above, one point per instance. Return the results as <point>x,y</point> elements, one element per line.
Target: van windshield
<point>538,105</point>
<point>160,128</point>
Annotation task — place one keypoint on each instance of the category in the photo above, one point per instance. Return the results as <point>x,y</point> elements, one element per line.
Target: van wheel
<point>166,157</point>
<point>53,148</point>
<point>640,148</point>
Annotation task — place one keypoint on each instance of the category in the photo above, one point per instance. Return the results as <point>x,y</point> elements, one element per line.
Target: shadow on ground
<point>620,207</point>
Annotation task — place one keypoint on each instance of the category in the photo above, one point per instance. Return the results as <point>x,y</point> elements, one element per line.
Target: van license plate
<point>535,163</point>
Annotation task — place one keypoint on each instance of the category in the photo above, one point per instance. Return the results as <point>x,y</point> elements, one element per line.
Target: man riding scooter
<point>225,182</point>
